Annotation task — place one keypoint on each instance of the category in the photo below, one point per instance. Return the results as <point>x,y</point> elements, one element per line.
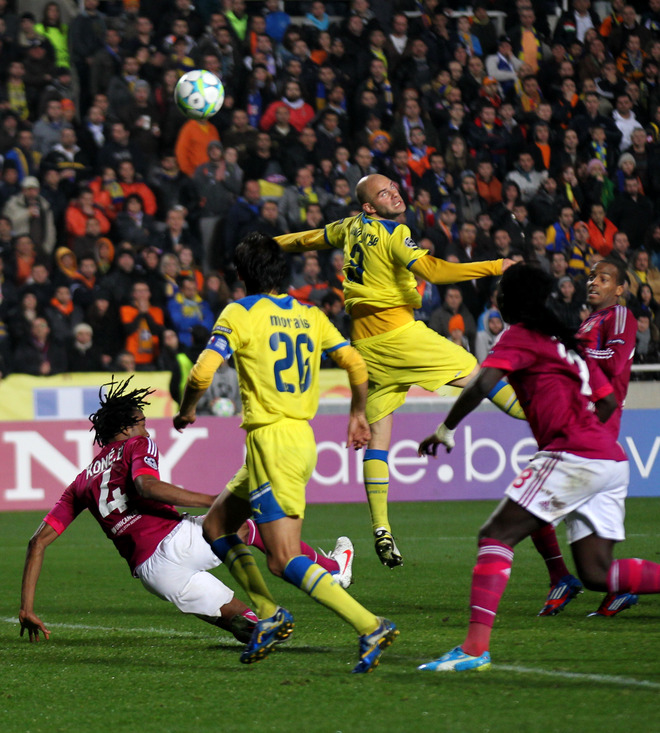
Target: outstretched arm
<point>303,241</point>
<point>441,272</point>
<point>469,399</point>
<point>34,559</point>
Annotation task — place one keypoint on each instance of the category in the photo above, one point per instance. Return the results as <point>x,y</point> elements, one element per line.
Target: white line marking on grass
<point>119,629</point>
<point>603,678</point>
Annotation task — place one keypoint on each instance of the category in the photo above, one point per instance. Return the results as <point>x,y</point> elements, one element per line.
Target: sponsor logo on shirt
<point>223,329</point>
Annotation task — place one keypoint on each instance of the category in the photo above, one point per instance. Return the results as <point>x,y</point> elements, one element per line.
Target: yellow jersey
<point>277,344</point>
<point>378,254</point>
<point>380,257</point>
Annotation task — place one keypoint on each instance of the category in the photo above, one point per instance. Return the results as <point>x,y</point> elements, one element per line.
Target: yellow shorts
<point>413,354</point>
<point>280,461</point>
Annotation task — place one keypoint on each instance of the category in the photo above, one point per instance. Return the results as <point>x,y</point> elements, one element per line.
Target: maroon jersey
<point>608,337</point>
<point>107,488</point>
<point>554,387</point>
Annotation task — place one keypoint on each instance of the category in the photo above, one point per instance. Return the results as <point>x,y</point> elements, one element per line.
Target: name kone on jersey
<point>101,464</point>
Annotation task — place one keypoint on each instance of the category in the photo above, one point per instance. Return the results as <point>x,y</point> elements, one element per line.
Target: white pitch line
<point>85,627</point>
<point>600,678</point>
<point>603,678</point>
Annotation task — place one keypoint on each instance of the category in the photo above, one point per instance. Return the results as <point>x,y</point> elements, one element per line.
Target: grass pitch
<point>120,660</point>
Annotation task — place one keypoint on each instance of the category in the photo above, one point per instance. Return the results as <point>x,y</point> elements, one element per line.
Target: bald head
<point>379,197</point>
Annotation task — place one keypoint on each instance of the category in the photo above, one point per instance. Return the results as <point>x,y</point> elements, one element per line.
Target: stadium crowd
<point>119,216</point>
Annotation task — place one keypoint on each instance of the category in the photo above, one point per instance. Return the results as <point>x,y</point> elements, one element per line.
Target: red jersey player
<point>166,550</point>
<point>122,489</point>
<point>608,337</point>
<point>579,474</point>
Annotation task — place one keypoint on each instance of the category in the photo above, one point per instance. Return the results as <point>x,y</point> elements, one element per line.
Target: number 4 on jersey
<point>118,500</point>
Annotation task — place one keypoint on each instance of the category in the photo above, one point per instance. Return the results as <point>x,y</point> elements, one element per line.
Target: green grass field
<point>121,660</point>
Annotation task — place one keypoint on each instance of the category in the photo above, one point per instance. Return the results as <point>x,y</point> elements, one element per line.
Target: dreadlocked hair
<point>118,410</point>
<point>525,291</point>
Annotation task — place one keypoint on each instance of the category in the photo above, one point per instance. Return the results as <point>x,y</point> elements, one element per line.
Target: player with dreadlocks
<point>119,410</point>
<point>122,489</point>
<point>579,474</point>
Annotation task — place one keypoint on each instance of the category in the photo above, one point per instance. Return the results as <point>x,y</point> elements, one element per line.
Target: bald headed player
<point>381,261</point>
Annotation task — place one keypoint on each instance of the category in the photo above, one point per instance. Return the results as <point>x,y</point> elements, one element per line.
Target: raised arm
<point>441,272</point>
<point>303,241</point>
<point>34,559</point>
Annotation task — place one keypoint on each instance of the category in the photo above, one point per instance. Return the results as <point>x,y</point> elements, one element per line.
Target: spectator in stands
<point>143,326</point>
<point>30,214</point>
<point>601,230</point>
<point>48,128</point>
<point>486,338</point>
<point>566,304</point>
<point>78,213</point>
<point>63,315</point>
<point>560,235</point>
<point>631,211</point>
<point>131,183</point>
<point>192,144</point>
<point>217,190</point>
<point>647,342</point>
<point>187,309</point>
<point>642,272</point>
<point>295,199</point>
<point>301,113</point>
<point>526,177</point>
<point>118,147</point>
<point>582,256</point>
<point>134,224</point>
<point>39,353</point>
<point>24,156</point>
<point>83,354</point>
<point>119,282</point>
<point>453,305</point>
<point>468,202</point>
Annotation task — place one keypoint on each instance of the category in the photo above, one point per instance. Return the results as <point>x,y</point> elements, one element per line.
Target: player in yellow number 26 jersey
<point>277,344</point>
<point>380,263</point>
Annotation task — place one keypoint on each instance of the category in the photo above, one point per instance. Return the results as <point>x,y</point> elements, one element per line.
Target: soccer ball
<point>199,94</point>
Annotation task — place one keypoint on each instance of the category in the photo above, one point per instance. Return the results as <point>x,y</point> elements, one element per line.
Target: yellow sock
<point>324,589</point>
<point>239,561</point>
<point>503,396</point>
<point>376,483</point>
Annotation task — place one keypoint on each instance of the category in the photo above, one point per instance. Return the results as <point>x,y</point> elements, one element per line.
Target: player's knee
<point>209,529</point>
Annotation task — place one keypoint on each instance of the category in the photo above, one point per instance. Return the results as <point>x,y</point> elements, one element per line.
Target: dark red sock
<point>633,575</point>
<point>327,563</point>
<point>489,578</point>
<point>545,541</point>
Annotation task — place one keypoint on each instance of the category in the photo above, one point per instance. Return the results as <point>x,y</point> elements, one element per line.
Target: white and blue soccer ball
<point>199,94</point>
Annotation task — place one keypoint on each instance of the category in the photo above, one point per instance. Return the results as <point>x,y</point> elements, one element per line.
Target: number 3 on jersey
<point>118,501</point>
<point>355,269</point>
<point>292,355</point>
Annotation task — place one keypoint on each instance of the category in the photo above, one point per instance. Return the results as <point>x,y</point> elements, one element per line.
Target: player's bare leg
<point>376,484</point>
<point>281,538</point>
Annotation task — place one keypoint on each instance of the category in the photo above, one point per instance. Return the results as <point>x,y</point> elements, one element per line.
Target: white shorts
<point>176,572</point>
<point>588,494</point>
